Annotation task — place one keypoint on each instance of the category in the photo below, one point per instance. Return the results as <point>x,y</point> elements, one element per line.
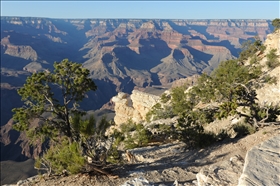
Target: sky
<point>143,9</point>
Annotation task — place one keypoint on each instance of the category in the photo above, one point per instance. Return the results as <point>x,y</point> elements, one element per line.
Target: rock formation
<point>270,93</point>
<point>262,164</point>
<point>123,53</point>
<point>221,173</point>
<point>219,164</point>
<point>133,107</point>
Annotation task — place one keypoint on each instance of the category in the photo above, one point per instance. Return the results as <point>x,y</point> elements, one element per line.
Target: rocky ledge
<point>133,107</point>
<point>172,164</point>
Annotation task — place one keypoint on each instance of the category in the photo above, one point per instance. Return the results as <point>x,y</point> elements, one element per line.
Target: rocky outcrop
<point>123,108</point>
<point>173,164</point>
<point>270,93</point>
<point>189,81</point>
<point>262,164</point>
<point>222,173</point>
<point>25,52</point>
<point>133,107</point>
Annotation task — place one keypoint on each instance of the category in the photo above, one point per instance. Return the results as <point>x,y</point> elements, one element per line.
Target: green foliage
<point>53,111</point>
<point>52,99</point>
<point>224,84</point>
<point>62,156</point>
<point>243,129</point>
<point>128,127</point>
<point>159,112</point>
<point>276,24</point>
<point>249,48</point>
<point>204,90</point>
<point>134,135</point>
<point>227,109</point>
<point>272,59</point>
<point>232,85</point>
<point>114,155</point>
<point>83,127</point>
<point>165,98</point>
<point>270,80</point>
<point>190,130</point>
<point>268,113</point>
<point>179,100</point>
<point>254,60</point>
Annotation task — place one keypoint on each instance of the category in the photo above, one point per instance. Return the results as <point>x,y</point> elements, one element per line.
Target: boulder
<point>222,173</point>
<point>262,164</point>
<point>134,107</point>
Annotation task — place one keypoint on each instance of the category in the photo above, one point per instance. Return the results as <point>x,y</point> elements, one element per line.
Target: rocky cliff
<point>270,93</point>
<point>123,53</point>
<point>262,165</point>
<point>134,106</point>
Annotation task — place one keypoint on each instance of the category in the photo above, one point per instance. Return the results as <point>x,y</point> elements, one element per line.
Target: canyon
<point>121,54</point>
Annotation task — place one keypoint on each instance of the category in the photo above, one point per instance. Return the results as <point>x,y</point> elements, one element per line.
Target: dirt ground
<point>164,166</point>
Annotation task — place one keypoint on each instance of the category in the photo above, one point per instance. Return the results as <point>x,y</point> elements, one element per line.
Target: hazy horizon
<point>137,18</point>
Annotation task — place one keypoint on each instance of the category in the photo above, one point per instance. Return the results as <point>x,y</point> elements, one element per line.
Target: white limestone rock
<point>262,164</point>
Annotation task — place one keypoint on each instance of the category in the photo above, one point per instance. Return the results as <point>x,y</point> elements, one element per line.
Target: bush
<point>138,138</point>
<point>276,24</point>
<point>270,80</point>
<point>249,48</point>
<point>165,98</point>
<point>190,131</point>
<point>243,129</point>
<point>254,60</point>
<point>134,135</point>
<point>159,112</point>
<point>272,59</point>
<point>61,157</point>
<point>179,100</point>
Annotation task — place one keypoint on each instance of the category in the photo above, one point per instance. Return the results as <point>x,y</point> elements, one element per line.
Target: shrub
<point>270,80</point>
<point>249,48</point>
<point>191,131</point>
<point>134,135</point>
<point>276,24</point>
<point>243,129</point>
<point>272,59</point>
<point>254,60</point>
<point>165,98</point>
<point>159,112</point>
<point>179,100</point>
<point>114,155</point>
<point>138,138</point>
<point>64,156</point>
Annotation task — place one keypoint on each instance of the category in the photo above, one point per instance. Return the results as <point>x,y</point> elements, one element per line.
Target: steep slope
<point>270,93</point>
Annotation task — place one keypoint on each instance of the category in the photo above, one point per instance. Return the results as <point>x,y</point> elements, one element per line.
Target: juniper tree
<point>233,86</point>
<point>52,98</point>
<point>276,24</point>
